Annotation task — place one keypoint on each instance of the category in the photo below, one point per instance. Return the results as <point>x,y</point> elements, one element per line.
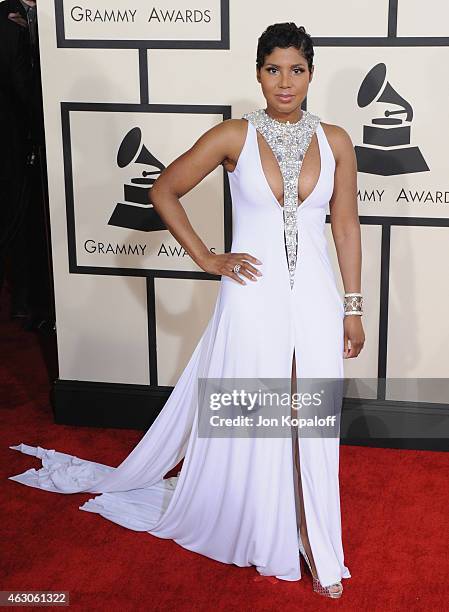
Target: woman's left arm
<point>346,230</point>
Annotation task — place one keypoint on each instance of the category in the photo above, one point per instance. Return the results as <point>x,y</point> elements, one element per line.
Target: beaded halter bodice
<point>289,143</point>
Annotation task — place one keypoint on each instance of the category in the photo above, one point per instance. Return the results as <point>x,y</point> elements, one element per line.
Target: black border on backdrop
<point>66,109</point>
<point>62,41</point>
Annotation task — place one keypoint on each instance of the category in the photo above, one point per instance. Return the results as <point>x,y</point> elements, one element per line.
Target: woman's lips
<point>285,98</point>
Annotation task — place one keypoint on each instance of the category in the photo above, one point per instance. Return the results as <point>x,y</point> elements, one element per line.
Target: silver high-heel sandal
<point>317,586</point>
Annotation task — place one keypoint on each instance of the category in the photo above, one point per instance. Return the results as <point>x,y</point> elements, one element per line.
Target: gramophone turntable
<point>387,150</point>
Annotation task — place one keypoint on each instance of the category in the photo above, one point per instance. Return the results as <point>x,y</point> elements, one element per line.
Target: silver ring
<point>236,268</point>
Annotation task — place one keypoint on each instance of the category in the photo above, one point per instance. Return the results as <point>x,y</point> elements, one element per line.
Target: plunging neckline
<point>267,184</point>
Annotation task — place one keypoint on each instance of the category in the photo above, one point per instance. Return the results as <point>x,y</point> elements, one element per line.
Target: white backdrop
<point>130,86</point>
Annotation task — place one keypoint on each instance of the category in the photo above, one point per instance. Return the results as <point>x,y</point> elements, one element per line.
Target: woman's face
<point>285,79</point>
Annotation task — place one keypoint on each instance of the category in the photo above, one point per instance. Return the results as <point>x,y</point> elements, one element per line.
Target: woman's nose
<point>285,79</point>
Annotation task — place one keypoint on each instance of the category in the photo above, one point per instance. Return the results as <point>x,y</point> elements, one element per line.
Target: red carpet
<point>394,509</point>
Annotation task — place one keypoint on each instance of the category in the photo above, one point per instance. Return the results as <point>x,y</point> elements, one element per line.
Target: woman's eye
<point>274,70</point>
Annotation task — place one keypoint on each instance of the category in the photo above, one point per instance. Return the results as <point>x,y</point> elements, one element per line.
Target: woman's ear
<point>311,74</point>
<point>258,74</point>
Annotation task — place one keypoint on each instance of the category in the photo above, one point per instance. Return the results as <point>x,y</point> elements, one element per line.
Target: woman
<point>250,500</point>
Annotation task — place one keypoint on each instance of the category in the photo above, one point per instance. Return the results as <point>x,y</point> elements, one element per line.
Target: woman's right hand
<point>223,265</point>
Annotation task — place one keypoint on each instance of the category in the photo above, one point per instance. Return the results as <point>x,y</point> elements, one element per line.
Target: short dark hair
<point>285,35</point>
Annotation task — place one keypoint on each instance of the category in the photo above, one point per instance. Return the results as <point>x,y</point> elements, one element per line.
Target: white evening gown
<point>234,499</point>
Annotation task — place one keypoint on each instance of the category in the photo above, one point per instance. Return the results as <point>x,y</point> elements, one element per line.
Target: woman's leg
<point>302,524</point>
<point>301,516</point>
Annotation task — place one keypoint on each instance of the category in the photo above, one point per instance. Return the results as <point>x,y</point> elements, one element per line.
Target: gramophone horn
<point>371,85</point>
<point>129,147</point>
<point>147,158</point>
<point>390,95</point>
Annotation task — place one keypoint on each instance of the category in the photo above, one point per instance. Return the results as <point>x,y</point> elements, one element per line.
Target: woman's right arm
<point>223,141</point>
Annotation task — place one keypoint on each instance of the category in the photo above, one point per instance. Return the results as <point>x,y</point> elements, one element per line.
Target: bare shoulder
<point>235,130</point>
<point>339,141</point>
<point>235,125</point>
<point>229,128</point>
<point>222,142</point>
<point>228,132</point>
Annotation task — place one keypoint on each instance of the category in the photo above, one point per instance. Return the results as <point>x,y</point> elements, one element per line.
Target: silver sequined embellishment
<point>289,143</point>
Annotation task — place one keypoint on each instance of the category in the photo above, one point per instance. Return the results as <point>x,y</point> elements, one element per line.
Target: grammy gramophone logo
<point>137,212</point>
<point>386,146</point>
